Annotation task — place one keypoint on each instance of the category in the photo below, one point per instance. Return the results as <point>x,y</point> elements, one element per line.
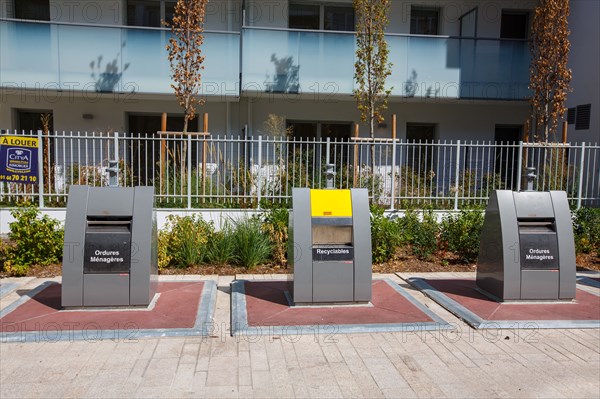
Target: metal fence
<point>229,171</point>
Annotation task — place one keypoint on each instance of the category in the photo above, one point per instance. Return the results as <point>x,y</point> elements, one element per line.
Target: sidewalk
<point>460,363</point>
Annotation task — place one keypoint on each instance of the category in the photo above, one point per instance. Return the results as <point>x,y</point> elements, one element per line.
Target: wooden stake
<point>394,127</point>
<point>564,132</point>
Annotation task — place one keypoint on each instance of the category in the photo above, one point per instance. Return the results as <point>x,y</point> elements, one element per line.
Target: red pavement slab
<point>176,307</point>
<point>267,305</point>
<point>585,307</point>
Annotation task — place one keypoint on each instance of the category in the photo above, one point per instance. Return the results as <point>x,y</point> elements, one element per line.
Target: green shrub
<point>252,245</point>
<point>586,226</point>
<point>221,247</point>
<point>385,236</point>
<point>35,241</point>
<point>184,241</point>
<point>420,232</point>
<point>275,225</point>
<point>461,234</point>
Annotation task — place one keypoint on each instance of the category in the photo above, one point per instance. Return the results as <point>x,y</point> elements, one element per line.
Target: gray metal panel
<point>498,267</point>
<point>539,284</point>
<point>363,269</point>
<point>490,262</point>
<point>302,245</point>
<point>106,290</point>
<point>111,201</point>
<point>142,237</point>
<point>332,282</point>
<point>566,244</point>
<point>533,204</point>
<point>72,265</point>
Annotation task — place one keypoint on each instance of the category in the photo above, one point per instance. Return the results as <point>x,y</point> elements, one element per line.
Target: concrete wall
<point>109,110</point>
<point>268,13</point>
<point>455,119</point>
<point>217,216</point>
<point>220,14</point>
<point>584,61</point>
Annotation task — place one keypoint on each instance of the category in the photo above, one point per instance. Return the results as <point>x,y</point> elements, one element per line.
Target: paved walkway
<point>464,363</point>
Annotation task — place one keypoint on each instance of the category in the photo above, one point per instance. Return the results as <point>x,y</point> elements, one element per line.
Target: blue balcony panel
<point>292,61</point>
<point>107,59</point>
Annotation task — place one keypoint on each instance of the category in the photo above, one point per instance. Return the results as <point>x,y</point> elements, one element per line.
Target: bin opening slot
<point>331,235</point>
<point>96,224</point>
<point>536,226</point>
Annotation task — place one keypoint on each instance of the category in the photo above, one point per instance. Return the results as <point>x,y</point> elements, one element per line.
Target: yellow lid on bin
<point>330,203</point>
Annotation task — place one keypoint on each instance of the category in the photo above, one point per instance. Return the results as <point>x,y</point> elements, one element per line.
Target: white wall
<point>456,119</point>
<point>584,61</point>
<point>109,110</point>
<point>217,216</point>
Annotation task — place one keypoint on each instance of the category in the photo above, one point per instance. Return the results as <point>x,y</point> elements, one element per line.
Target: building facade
<point>459,69</point>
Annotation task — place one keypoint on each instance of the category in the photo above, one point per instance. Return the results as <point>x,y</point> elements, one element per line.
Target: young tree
<point>371,68</point>
<point>185,54</point>
<point>549,75</point>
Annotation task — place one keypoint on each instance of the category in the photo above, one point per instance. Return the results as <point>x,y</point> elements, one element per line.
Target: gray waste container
<point>330,246</point>
<point>110,251</point>
<point>527,249</point>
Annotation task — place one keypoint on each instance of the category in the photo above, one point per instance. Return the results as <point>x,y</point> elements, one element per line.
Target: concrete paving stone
<point>152,392</point>
<point>244,376</point>
<point>168,348</point>
<point>385,374</point>
<point>395,393</point>
<point>262,384</point>
<point>345,380</point>
<point>160,372</point>
<point>189,353</point>
<point>184,376</point>
<point>258,357</point>
<point>324,391</point>
<point>222,376</point>
<point>222,392</point>
<point>199,381</point>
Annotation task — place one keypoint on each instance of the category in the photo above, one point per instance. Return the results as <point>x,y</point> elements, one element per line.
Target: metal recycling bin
<point>330,246</point>
<point>110,250</point>
<point>527,248</point>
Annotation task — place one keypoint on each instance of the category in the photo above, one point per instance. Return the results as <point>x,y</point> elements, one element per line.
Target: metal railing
<point>229,171</point>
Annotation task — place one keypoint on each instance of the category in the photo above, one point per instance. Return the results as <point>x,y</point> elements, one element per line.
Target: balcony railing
<point>99,58</point>
<point>37,55</point>
<point>322,63</point>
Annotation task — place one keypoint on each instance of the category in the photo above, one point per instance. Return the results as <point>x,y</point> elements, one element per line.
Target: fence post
<point>189,171</point>
<point>581,165</point>
<point>393,174</point>
<point>259,184</point>
<point>456,176</point>
<point>40,157</point>
<point>519,166</point>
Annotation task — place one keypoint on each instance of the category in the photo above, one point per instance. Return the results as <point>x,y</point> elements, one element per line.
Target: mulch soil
<point>438,262</point>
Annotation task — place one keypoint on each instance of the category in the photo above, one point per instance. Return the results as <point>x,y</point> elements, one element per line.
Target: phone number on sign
<point>19,179</point>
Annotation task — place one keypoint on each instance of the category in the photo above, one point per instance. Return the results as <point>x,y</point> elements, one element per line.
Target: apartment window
<point>31,121</point>
<point>420,157</point>
<point>506,163</point>
<point>582,117</point>
<point>304,16</point>
<point>321,17</point>
<point>514,25</point>
<point>571,116</point>
<point>339,18</point>
<point>424,21</point>
<point>149,12</point>
<point>32,9</point>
